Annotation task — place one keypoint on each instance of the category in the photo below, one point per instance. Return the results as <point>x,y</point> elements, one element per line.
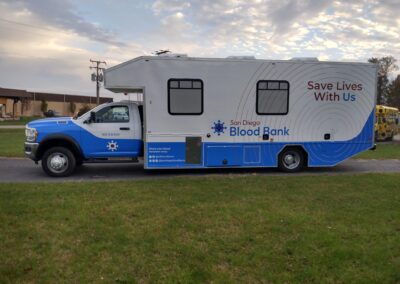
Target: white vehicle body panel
<point>229,96</point>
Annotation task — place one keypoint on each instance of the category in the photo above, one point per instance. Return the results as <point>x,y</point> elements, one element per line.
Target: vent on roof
<point>304,59</point>
<point>241,57</point>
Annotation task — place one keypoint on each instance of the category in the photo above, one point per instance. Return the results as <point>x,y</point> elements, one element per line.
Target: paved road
<point>24,170</point>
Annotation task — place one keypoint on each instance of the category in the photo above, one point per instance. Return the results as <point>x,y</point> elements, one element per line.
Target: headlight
<point>31,134</point>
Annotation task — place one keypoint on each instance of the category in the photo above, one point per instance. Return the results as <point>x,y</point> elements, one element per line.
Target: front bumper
<point>30,150</point>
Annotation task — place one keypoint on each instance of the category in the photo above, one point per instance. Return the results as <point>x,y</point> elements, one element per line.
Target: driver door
<point>111,134</point>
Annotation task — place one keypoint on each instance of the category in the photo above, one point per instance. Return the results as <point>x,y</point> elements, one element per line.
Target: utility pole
<point>97,77</point>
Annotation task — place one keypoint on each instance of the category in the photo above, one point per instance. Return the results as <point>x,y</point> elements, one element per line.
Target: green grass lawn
<point>297,229</point>
<point>382,151</point>
<point>24,120</point>
<point>12,142</point>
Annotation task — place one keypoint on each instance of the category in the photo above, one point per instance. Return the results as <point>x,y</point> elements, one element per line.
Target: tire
<point>291,160</point>
<point>58,162</point>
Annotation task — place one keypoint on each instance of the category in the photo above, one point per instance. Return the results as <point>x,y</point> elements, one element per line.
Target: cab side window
<point>113,114</point>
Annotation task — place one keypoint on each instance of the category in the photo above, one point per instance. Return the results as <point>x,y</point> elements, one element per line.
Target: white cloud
<point>38,54</point>
<point>276,28</point>
<point>160,6</point>
<point>54,40</point>
<point>60,14</point>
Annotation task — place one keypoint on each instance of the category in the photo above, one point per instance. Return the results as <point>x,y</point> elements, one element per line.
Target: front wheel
<point>58,162</point>
<point>291,160</point>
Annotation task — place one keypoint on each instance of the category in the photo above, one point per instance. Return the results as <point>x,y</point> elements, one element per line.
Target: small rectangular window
<point>272,97</point>
<point>273,85</point>
<point>174,84</point>
<point>185,84</point>
<point>284,85</point>
<point>197,84</point>
<point>262,85</point>
<point>185,96</point>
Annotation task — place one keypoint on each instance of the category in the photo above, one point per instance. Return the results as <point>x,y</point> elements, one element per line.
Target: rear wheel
<point>58,162</point>
<point>291,160</point>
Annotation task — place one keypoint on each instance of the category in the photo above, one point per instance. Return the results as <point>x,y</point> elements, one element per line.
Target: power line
<point>26,25</point>
<point>53,29</point>
<point>23,30</point>
<point>33,29</point>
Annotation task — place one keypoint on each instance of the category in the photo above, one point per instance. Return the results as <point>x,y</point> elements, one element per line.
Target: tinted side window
<point>113,114</point>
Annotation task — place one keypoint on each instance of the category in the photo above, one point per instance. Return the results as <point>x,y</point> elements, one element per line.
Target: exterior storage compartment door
<point>224,156</point>
<point>193,151</point>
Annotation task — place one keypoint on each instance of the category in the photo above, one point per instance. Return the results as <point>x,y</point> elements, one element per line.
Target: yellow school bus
<point>386,123</point>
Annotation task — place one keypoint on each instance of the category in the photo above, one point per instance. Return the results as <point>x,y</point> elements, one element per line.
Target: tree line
<point>388,89</point>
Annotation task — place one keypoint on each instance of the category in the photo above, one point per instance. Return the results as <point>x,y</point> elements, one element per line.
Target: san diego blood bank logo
<point>334,91</point>
<point>247,128</point>
<point>218,127</point>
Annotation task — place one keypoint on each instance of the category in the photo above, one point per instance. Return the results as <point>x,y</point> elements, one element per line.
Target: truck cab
<point>109,131</point>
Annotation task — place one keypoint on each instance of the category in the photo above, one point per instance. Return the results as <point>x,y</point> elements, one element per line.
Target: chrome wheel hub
<point>291,160</point>
<point>57,162</point>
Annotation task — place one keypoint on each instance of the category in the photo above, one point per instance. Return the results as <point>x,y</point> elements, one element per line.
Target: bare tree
<point>386,65</point>
<point>84,109</point>
<point>394,92</point>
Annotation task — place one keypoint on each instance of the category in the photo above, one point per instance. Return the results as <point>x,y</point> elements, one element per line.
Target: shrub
<point>85,108</point>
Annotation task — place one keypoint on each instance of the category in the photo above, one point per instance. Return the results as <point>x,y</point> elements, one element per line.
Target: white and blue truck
<point>218,113</point>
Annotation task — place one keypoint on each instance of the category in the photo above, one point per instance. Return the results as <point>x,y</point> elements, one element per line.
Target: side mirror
<point>92,116</point>
<point>91,119</point>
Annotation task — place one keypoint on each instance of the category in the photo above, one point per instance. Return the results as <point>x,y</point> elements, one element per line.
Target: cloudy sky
<point>46,44</point>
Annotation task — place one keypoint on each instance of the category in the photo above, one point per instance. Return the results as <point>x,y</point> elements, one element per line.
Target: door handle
<point>124,128</point>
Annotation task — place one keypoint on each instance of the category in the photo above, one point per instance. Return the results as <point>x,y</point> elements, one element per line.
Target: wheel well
<point>58,142</point>
<point>296,147</point>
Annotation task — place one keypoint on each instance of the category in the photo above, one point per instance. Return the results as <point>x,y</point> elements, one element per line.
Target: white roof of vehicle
<point>184,57</point>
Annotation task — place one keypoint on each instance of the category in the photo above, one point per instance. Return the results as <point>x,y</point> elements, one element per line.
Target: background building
<point>15,103</point>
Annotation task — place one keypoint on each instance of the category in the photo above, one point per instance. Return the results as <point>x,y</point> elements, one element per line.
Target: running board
<point>111,161</point>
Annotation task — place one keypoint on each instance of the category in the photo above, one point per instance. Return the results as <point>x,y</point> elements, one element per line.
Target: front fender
<point>58,140</point>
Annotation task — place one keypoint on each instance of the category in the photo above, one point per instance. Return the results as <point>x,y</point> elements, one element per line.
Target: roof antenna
<point>161,52</point>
